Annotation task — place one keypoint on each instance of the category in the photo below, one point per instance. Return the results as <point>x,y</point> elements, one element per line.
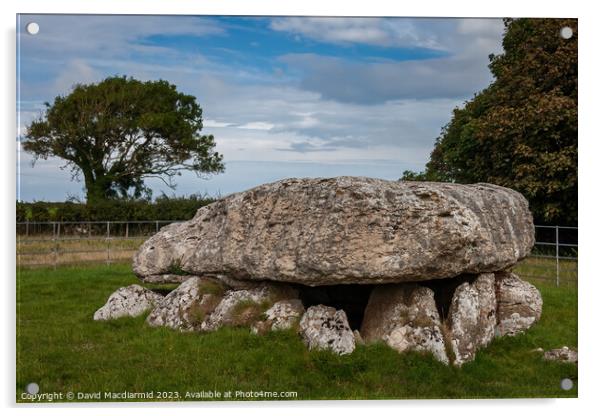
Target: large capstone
<point>346,230</point>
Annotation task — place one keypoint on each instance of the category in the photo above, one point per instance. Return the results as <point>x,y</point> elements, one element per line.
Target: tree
<point>521,131</point>
<point>121,131</point>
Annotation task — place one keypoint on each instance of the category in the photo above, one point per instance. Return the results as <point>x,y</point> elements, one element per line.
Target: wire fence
<point>554,257</point>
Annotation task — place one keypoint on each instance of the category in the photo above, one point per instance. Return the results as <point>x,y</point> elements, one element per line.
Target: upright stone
<point>189,305</point>
<point>519,304</point>
<point>405,317</point>
<point>325,328</point>
<point>472,317</point>
<point>245,307</point>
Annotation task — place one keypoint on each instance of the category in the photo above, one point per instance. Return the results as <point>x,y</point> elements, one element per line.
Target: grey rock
<point>189,305</point>
<point>519,304</point>
<point>347,230</point>
<point>325,328</point>
<point>405,317</point>
<point>285,314</point>
<point>564,354</point>
<point>130,301</point>
<point>236,283</point>
<point>472,318</point>
<point>358,337</point>
<point>246,306</point>
<point>167,278</point>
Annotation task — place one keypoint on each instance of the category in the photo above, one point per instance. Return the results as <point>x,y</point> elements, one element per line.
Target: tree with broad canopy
<point>121,131</point>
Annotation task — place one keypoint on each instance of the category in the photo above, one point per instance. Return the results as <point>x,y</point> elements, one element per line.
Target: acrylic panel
<point>295,208</point>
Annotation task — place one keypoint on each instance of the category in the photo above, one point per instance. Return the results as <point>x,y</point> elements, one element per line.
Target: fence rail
<point>553,258</point>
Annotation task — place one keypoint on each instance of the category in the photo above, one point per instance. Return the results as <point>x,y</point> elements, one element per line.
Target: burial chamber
<point>420,266</point>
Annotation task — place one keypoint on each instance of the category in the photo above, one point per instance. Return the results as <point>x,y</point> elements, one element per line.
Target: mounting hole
<point>32,388</point>
<point>566,32</point>
<point>32,28</point>
<point>566,384</point>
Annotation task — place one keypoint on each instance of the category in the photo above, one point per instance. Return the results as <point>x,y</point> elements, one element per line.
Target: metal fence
<point>554,256</point>
<point>70,242</point>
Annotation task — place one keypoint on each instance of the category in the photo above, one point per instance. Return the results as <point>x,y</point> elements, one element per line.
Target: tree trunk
<point>97,189</point>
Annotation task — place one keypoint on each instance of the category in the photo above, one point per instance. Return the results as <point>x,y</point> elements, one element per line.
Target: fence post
<point>557,259</point>
<point>156,226</point>
<point>56,245</point>
<point>108,242</point>
<point>127,230</point>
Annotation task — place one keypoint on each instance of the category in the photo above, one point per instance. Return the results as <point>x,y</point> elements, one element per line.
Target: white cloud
<point>367,30</point>
<point>461,72</point>
<point>94,35</point>
<point>480,27</point>
<point>214,123</point>
<point>256,125</point>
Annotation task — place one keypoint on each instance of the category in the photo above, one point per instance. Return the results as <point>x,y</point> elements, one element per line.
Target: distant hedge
<point>162,208</point>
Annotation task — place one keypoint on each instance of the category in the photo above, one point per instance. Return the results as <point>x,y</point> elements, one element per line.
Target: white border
<point>589,150</point>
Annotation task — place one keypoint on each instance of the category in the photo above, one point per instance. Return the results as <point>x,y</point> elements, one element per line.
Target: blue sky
<point>283,96</point>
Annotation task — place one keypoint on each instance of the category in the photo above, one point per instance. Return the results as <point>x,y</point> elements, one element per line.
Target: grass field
<point>543,270</point>
<point>36,251</point>
<point>62,349</point>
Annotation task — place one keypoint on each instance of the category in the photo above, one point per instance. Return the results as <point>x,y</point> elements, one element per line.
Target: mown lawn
<point>62,349</point>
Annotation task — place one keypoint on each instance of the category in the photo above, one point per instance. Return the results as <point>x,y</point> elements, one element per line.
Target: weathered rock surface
<point>519,304</point>
<point>472,317</point>
<point>168,278</point>
<point>564,354</point>
<point>246,306</point>
<point>131,301</point>
<point>405,317</point>
<point>284,314</point>
<point>347,230</point>
<point>189,305</point>
<point>323,327</point>
<point>358,337</point>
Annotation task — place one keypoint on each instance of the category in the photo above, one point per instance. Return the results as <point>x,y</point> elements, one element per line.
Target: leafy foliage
<point>163,208</point>
<point>120,131</point>
<point>521,131</point>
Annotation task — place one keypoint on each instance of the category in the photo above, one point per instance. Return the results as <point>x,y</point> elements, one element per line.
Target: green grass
<point>62,349</point>
<point>544,270</point>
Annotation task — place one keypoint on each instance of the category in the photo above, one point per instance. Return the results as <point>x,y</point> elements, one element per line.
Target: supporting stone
<point>245,307</point>
<point>405,317</point>
<point>323,327</point>
<point>188,306</point>
<point>472,318</point>
<point>130,301</point>
<point>519,304</point>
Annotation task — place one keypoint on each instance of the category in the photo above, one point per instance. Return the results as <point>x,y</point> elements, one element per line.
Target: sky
<point>283,96</point>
